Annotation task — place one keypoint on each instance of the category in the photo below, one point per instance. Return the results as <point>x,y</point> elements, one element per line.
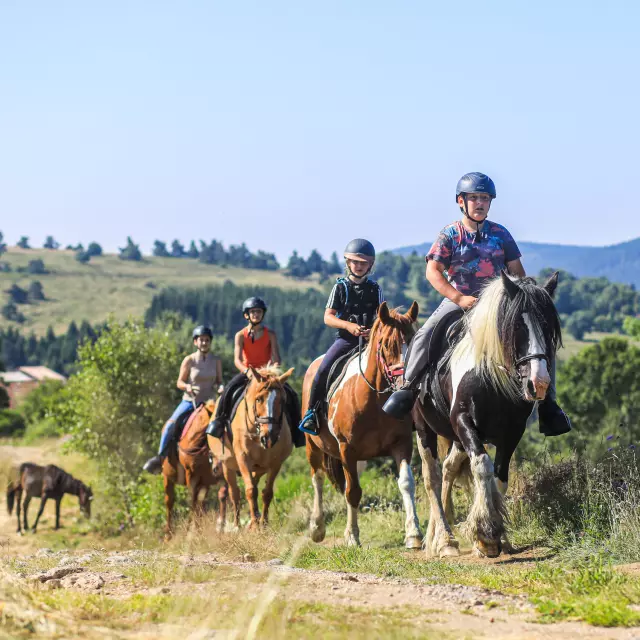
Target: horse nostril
<point>531,387</point>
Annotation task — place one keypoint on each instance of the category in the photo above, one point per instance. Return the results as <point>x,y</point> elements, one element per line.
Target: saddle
<point>337,371</point>
<point>190,419</point>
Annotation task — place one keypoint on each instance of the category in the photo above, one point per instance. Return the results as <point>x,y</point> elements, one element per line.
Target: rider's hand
<point>220,388</point>
<point>466,302</point>
<point>354,329</point>
<point>188,389</point>
<point>364,332</point>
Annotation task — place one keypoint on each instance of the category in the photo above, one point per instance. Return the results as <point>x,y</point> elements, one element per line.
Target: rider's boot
<point>154,465</point>
<point>310,423</point>
<point>401,402</point>
<point>218,426</point>
<point>553,421</point>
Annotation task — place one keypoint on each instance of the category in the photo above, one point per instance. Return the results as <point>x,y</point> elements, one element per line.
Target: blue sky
<point>303,124</point>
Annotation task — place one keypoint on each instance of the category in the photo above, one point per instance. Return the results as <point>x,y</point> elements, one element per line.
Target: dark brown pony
<point>44,483</point>
<point>358,429</point>
<point>190,466</point>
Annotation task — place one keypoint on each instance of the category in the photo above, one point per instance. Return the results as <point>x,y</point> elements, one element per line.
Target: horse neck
<point>372,369</point>
<point>71,485</point>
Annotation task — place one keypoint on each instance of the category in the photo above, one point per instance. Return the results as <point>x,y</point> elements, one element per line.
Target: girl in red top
<point>255,347</point>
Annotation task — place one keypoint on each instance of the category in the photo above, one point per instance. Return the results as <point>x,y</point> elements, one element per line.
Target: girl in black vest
<point>351,309</point>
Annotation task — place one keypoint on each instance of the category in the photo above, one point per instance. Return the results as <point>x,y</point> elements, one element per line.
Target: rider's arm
<point>516,269</point>
<point>331,320</point>
<point>183,376</point>
<point>237,352</point>
<point>435,276</point>
<point>275,349</point>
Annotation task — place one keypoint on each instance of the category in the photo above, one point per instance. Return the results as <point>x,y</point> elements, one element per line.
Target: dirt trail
<point>442,610</point>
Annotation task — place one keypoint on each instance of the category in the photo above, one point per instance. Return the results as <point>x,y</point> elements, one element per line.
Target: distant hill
<point>617,262</point>
<point>92,291</point>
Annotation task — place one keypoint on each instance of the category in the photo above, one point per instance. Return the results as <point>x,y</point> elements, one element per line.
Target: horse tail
<point>335,472</point>
<point>11,495</point>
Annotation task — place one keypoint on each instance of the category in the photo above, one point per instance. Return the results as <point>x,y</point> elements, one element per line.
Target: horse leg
<point>169,501</point>
<point>317,529</point>
<point>58,501</point>
<point>485,522</point>
<point>223,494</point>
<point>450,471</point>
<point>43,502</point>
<point>251,491</point>
<point>232,481</point>
<point>502,461</point>
<point>407,486</point>
<point>267,494</point>
<point>353,495</point>
<point>439,541</point>
<point>19,507</point>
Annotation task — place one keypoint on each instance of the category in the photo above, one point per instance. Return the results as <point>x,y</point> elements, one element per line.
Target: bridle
<point>390,375</point>
<point>258,421</point>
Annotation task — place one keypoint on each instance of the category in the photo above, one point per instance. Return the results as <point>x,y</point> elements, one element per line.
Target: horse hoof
<point>351,540</point>
<point>450,551</point>
<point>413,542</point>
<point>486,550</point>
<point>317,533</point>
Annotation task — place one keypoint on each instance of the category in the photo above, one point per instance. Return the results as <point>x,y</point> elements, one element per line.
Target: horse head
<point>530,332</point>
<point>265,403</point>
<point>85,496</point>
<point>389,333</point>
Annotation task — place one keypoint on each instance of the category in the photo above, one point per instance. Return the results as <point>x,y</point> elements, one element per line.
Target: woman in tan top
<point>200,376</point>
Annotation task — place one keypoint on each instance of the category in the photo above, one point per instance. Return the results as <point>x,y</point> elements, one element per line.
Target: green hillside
<point>107,285</point>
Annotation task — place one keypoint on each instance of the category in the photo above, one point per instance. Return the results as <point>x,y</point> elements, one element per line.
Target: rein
<point>389,375</point>
<point>254,430</point>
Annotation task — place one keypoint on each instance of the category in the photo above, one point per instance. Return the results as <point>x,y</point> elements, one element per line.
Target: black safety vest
<point>355,302</point>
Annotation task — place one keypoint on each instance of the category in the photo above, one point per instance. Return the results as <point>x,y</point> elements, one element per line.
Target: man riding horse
<point>200,375</point>
<point>351,309</point>
<point>255,347</point>
<point>471,251</point>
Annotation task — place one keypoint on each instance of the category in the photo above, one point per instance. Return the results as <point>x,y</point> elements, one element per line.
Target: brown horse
<point>190,466</point>
<point>261,441</point>
<point>44,483</point>
<point>358,429</point>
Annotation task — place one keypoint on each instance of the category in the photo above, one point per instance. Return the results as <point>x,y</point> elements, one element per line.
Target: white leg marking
<point>439,540</point>
<point>451,470</point>
<point>352,532</point>
<point>407,485</point>
<point>317,527</point>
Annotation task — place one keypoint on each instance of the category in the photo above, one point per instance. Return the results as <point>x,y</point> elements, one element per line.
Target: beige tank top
<point>202,377</point>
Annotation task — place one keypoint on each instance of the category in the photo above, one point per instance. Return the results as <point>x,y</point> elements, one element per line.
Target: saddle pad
<point>189,422</point>
<point>338,370</point>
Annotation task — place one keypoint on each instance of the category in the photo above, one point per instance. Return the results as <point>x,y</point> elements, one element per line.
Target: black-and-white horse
<point>485,393</point>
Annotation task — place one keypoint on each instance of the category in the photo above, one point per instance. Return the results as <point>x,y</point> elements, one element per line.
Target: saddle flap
<point>339,368</point>
<point>187,420</point>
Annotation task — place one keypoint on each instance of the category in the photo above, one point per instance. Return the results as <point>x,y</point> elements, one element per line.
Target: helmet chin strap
<point>465,210</point>
<point>362,277</point>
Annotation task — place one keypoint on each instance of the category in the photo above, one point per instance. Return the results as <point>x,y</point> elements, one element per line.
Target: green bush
<point>12,423</point>
<point>35,431</point>
<point>43,401</point>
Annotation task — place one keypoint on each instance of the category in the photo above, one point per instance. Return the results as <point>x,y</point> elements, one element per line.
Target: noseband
<point>528,358</point>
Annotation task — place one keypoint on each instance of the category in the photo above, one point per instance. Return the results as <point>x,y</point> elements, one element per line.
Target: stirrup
<point>217,427</point>
<point>309,418</point>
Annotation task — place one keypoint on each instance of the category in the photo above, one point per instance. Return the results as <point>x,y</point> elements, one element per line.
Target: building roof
<point>41,373</point>
<point>9,377</point>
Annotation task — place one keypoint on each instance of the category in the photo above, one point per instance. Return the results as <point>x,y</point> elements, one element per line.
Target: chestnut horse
<point>485,393</point>
<point>261,441</point>
<point>358,429</point>
<point>190,466</point>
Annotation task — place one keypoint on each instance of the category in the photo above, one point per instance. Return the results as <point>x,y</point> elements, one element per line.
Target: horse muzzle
<point>536,389</point>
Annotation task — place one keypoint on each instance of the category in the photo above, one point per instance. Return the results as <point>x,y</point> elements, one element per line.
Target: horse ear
<point>512,288</point>
<point>551,284</point>
<point>383,313</point>
<point>412,314</point>
<point>285,376</point>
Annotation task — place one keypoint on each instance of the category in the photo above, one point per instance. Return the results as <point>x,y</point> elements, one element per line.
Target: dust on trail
<point>445,610</point>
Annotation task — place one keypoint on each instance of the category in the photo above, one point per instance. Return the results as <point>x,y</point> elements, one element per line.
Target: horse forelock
<point>390,333</point>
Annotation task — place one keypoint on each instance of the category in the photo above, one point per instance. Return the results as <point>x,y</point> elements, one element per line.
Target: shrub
<point>83,257</point>
<point>36,292</point>
<point>94,249</point>
<point>43,402</point>
<point>131,251</point>
<point>50,243</point>
<point>11,312</point>
<point>37,267</point>
<point>23,243</point>
<point>17,294</point>
<point>116,403</point>
<point>11,423</point>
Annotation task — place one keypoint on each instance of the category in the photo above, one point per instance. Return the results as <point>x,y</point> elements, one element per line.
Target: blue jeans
<point>170,426</point>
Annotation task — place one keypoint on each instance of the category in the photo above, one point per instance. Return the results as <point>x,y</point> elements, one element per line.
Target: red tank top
<point>256,353</point>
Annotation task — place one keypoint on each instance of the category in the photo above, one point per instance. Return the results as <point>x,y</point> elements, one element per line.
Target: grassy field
<point>107,285</point>
<point>276,583</point>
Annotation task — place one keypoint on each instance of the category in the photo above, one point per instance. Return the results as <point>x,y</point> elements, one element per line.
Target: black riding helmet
<point>360,249</point>
<point>254,303</point>
<point>202,330</point>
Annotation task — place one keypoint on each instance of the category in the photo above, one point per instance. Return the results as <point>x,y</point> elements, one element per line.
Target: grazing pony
<point>358,429</point>
<point>484,392</point>
<point>44,483</point>
<point>190,466</point>
<point>260,441</point>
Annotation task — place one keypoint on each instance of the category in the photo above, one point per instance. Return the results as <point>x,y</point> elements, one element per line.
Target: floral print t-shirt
<point>472,259</point>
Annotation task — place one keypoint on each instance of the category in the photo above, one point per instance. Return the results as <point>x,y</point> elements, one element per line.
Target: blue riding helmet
<point>475,182</point>
<point>202,330</point>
